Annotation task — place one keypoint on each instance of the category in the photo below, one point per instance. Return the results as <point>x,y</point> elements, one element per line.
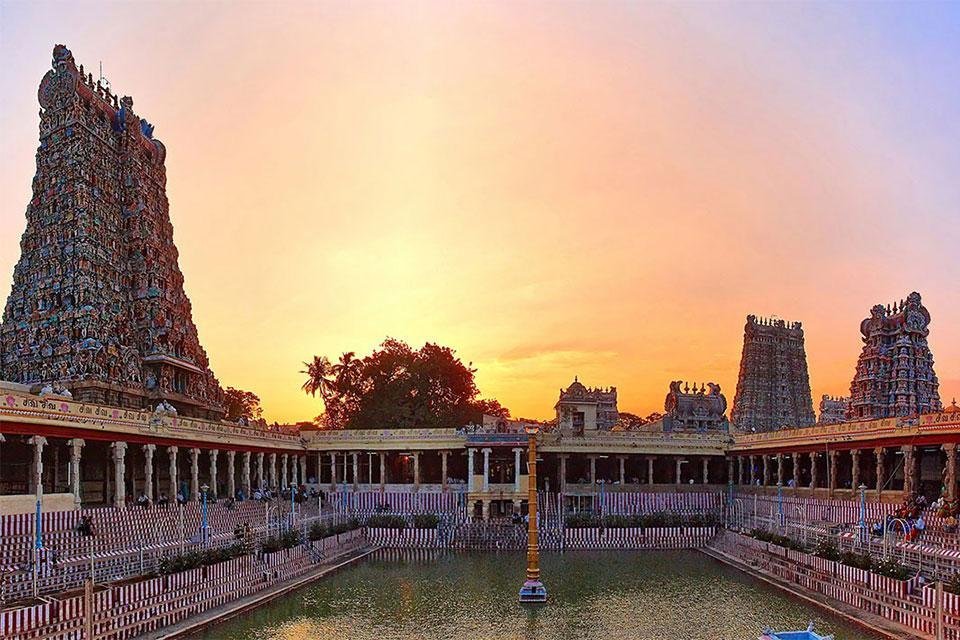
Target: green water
<point>602,595</point>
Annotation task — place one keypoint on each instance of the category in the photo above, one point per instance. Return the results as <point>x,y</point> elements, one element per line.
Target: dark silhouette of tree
<point>319,376</point>
<point>242,404</point>
<point>492,407</point>
<point>397,387</point>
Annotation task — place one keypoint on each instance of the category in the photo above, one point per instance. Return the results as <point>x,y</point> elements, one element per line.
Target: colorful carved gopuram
<point>97,306</point>
<point>773,390</point>
<point>894,375</point>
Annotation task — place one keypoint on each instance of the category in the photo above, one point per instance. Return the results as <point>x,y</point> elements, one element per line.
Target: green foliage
<point>241,404</point>
<point>773,538</point>
<point>953,584</point>
<point>319,530</point>
<point>195,559</point>
<point>398,386</point>
<point>286,540</point>
<point>828,550</point>
<point>426,521</point>
<point>386,521</point>
<point>581,521</point>
<point>857,560</point>
<point>892,569</point>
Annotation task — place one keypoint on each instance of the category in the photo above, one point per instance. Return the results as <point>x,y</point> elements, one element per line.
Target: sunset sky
<point>552,189</point>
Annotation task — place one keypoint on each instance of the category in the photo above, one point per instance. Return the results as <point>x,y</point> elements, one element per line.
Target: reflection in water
<point>609,595</point>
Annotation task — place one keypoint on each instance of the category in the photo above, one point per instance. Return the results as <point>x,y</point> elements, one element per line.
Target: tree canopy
<point>242,404</point>
<point>397,387</point>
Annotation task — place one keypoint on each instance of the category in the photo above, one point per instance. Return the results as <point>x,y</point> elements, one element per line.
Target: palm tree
<point>320,375</point>
<point>347,370</point>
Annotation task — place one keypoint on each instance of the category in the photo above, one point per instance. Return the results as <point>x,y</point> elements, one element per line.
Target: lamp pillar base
<point>533,591</point>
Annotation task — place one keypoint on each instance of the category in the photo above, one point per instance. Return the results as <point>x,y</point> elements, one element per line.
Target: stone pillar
<point>766,470</point>
<point>36,466</point>
<point>194,474</point>
<point>623,470</point>
<point>245,482</point>
<point>119,472</point>
<point>740,470</point>
<point>284,475</point>
<point>730,474</point>
<point>273,470</point>
<point>260,479</point>
<point>214,454</point>
<point>443,470</point>
<point>796,469</point>
<point>416,470</point>
<point>780,478</point>
<point>753,460</point>
<point>679,469</point>
<point>563,473</point>
<point>909,469</point>
<point>333,469</point>
<point>950,477</point>
<point>174,480</point>
<point>880,453</point>
<point>854,469</point>
<point>486,475</point>
<point>516,468</point>
<point>356,469</point>
<point>148,450</point>
<point>303,469</point>
<point>813,470</point>
<point>76,448</point>
<point>383,475</point>
<point>650,469</point>
<point>470,472</point>
<point>593,470</point>
<point>232,473</point>
<point>832,480</point>
<point>486,510</point>
<point>706,471</point>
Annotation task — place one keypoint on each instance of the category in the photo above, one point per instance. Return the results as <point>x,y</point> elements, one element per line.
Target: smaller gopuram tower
<point>833,409</point>
<point>773,389</point>
<point>894,375</point>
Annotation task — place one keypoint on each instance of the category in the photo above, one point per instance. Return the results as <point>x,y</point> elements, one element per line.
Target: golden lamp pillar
<point>532,590</point>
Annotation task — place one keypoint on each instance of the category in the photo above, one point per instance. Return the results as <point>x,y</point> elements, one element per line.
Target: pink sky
<point>551,189</point>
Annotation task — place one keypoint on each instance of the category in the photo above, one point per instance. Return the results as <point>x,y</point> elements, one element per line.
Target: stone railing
<point>18,407</point>
<point>629,442</point>
<point>385,439</point>
<point>932,423</point>
<point>131,609</point>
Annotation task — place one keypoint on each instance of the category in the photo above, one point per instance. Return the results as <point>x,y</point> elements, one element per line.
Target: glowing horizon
<point>550,189</point>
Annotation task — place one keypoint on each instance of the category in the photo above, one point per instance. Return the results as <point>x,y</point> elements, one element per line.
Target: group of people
<point>909,515</point>
<point>300,494</point>
<point>912,527</point>
<point>264,494</point>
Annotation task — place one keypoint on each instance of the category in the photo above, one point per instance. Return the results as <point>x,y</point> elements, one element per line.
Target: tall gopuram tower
<point>773,390</point>
<point>895,374</point>
<point>97,303</point>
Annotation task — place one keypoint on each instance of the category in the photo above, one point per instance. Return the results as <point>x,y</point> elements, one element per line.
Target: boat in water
<point>808,634</point>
